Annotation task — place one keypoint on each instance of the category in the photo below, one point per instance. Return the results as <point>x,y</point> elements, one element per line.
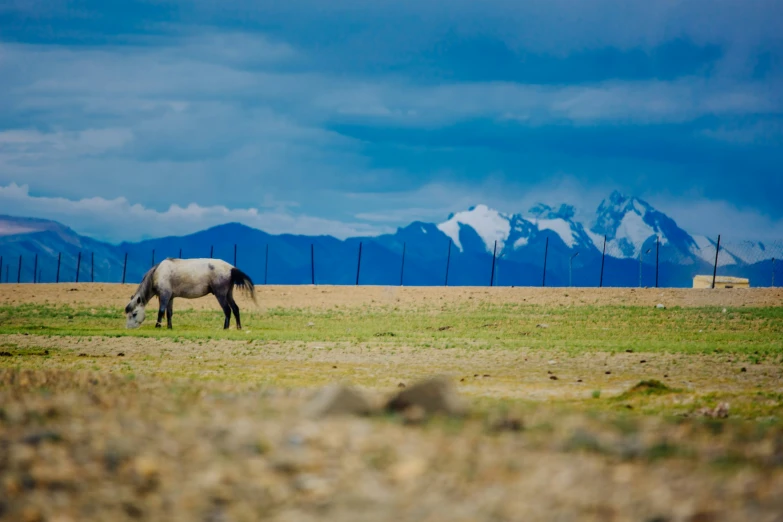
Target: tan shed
<point>705,281</point>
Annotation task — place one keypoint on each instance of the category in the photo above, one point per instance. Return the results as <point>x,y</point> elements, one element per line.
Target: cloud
<point>607,102</point>
<point>692,211</point>
<point>712,217</point>
<point>223,105</point>
<point>120,220</point>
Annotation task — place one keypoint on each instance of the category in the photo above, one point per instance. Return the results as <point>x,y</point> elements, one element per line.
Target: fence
<point>652,263</point>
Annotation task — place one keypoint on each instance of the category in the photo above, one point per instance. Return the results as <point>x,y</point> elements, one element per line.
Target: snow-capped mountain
<point>516,231</point>
<point>544,245</point>
<point>631,224</point>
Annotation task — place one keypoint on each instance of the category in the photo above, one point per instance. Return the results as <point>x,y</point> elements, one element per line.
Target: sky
<point>127,120</point>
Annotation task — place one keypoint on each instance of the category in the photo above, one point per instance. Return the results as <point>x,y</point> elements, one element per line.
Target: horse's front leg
<point>164,299</point>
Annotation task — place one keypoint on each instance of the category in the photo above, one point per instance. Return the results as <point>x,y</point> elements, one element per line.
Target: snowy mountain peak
<point>489,224</point>
<point>612,210</point>
<point>630,222</point>
<point>627,223</point>
<point>542,211</point>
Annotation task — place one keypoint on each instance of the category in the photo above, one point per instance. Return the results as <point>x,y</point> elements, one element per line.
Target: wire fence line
<point>652,263</point>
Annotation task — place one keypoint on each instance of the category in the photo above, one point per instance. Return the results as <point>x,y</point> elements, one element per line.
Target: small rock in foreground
<point>338,400</point>
<point>434,395</point>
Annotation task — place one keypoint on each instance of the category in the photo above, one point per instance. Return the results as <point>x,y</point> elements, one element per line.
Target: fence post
<point>59,259</point>
<point>124,267</point>
<point>235,254</point>
<point>657,251</point>
<point>35,269</point>
<point>266,262</point>
<point>78,266</point>
<point>546,253</point>
<point>312,264</point>
<point>359,264</point>
<point>92,267</point>
<point>715,267</point>
<point>603,256</point>
<point>402,266</point>
<point>180,253</point>
<point>448,262</point>
<point>494,256</point>
<point>19,271</point>
<point>1,270</point>
<point>211,251</point>
<point>773,270</point>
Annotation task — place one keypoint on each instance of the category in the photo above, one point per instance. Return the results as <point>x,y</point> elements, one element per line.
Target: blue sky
<point>134,119</point>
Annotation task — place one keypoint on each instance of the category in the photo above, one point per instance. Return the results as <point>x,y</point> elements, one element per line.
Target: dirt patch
<point>109,448</point>
<point>327,297</point>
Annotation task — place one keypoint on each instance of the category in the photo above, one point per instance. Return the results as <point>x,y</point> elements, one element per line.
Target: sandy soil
<point>88,294</point>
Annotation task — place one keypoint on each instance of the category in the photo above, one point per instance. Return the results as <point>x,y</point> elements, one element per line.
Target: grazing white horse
<point>191,279</point>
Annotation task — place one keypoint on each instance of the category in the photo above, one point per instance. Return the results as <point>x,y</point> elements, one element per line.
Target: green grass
<point>757,333</point>
<point>697,354</point>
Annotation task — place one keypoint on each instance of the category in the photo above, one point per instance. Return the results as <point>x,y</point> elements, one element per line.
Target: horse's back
<point>192,278</point>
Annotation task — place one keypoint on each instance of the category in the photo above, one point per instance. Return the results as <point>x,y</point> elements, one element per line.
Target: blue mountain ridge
<point>631,230</point>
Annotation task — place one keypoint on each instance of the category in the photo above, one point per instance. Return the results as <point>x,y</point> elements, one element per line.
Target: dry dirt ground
<point>91,431</point>
<point>326,296</point>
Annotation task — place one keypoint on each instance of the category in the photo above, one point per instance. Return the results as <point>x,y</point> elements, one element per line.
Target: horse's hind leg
<point>235,309</point>
<point>169,313</point>
<point>226,309</point>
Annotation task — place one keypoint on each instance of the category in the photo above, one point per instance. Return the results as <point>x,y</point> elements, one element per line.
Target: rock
<point>311,323</point>
<point>414,414</point>
<point>721,411</point>
<point>506,423</point>
<point>659,305</point>
<point>542,325</point>
<point>146,474</point>
<point>338,400</point>
<point>434,395</point>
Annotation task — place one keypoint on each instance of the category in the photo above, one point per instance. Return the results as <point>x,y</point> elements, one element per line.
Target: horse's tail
<point>242,280</point>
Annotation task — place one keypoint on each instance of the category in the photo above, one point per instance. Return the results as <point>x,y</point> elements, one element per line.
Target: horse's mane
<point>145,290</point>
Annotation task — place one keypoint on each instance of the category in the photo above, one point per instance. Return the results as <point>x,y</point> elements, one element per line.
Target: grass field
<point>99,422</point>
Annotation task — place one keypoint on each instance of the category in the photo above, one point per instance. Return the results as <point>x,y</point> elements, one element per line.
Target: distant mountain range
<point>633,234</point>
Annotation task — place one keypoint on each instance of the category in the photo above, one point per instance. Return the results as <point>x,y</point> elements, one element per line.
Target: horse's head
<point>134,311</point>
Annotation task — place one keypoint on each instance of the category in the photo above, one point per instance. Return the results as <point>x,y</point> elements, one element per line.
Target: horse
<point>190,279</point>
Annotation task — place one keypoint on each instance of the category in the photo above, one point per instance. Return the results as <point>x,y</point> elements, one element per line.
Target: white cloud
<point>712,217</point>
<point>120,220</point>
